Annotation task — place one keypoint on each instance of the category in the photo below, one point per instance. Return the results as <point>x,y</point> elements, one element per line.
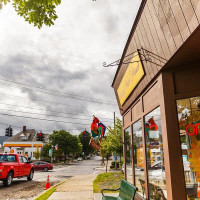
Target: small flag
<point>102,130</point>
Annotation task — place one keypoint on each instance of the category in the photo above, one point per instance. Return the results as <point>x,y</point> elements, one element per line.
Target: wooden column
<point>124,154</point>
<point>132,154</point>
<point>145,158</point>
<point>171,139</point>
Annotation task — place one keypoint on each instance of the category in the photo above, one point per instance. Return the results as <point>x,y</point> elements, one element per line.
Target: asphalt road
<point>23,189</point>
<point>61,172</point>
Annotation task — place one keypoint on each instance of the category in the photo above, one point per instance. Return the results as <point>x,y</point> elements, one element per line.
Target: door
<point>27,167</point>
<point>21,166</point>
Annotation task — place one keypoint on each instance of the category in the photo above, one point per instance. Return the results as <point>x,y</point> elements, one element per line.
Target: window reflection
<point>138,158</point>
<point>129,173</point>
<point>155,156</point>
<point>189,126</point>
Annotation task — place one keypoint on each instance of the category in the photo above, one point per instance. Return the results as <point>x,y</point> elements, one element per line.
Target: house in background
<point>25,142</point>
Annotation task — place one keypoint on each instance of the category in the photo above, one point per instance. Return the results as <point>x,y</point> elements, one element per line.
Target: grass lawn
<point>109,180</point>
<point>46,195</point>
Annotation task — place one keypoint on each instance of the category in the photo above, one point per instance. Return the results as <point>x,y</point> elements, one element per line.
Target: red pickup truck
<point>15,166</point>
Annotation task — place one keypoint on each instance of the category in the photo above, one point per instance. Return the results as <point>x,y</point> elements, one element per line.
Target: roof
<point>29,133</point>
<point>2,139</point>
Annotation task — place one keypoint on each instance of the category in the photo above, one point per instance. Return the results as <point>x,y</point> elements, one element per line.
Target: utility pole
<point>114,119</point>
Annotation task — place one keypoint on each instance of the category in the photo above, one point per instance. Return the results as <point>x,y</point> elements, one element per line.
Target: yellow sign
<point>131,78</point>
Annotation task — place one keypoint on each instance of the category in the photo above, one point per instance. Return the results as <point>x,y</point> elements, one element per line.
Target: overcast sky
<point>66,58</point>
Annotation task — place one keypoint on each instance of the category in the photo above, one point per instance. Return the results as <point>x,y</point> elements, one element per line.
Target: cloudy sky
<point>63,63</point>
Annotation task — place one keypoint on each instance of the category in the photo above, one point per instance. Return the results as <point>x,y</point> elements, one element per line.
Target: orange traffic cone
<point>198,190</point>
<point>47,184</point>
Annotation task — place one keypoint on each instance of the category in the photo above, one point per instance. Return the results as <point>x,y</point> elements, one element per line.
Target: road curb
<point>51,188</point>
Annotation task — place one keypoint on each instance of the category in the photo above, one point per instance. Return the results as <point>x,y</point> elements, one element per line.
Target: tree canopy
<point>34,11</point>
<point>67,143</point>
<point>85,139</point>
<point>112,143</point>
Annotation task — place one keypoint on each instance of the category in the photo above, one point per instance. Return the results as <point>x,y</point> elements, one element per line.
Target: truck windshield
<point>7,158</point>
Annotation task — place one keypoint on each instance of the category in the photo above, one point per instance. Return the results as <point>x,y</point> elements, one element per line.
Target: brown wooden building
<point>157,86</point>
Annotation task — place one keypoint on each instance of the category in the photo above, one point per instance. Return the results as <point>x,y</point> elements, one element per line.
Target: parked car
<point>40,165</point>
<point>88,157</point>
<point>15,166</point>
<point>80,159</point>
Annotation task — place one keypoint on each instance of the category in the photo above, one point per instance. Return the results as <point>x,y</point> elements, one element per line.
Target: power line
<point>45,114</point>
<point>50,120</point>
<point>51,102</point>
<point>51,111</point>
<point>48,91</point>
<point>38,129</point>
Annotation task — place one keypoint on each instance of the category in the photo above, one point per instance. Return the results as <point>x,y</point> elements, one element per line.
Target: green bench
<point>126,192</point>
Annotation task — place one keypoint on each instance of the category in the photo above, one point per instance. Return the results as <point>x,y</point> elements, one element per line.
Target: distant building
<point>24,143</point>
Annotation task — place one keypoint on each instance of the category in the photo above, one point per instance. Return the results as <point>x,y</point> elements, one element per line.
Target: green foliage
<point>85,139</point>
<point>112,143</point>
<point>67,143</point>
<point>45,151</point>
<point>109,180</point>
<point>37,154</point>
<point>38,12</point>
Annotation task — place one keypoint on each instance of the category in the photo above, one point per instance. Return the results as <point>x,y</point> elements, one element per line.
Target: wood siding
<point>162,27</point>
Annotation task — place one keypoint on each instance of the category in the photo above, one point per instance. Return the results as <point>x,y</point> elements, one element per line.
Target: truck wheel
<point>8,181</point>
<point>30,176</point>
<point>45,169</point>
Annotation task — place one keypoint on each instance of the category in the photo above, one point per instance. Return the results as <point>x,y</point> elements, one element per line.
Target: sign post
<point>50,154</point>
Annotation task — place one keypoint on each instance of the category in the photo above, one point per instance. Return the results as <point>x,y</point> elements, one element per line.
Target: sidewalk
<point>77,187</point>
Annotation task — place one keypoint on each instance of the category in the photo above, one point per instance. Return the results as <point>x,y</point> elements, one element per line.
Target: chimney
<point>24,128</point>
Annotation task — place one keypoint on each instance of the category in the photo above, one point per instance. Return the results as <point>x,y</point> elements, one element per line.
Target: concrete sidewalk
<point>78,187</point>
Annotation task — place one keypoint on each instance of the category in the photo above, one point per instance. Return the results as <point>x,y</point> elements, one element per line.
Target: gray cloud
<point>66,58</point>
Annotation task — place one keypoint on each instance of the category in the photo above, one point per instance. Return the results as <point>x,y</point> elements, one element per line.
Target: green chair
<point>126,190</point>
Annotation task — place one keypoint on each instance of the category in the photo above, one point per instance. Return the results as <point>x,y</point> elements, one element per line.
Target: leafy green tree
<point>38,12</point>
<point>77,146</point>
<point>85,139</point>
<point>37,154</point>
<point>113,141</point>
<point>66,142</point>
<point>45,151</point>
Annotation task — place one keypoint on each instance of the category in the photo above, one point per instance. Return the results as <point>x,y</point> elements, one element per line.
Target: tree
<point>104,150</point>
<point>66,142</point>
<point>113,141</point>
<point>38,12</point>
<point>45,151</point>
<point>37,154</point>
<point>77,146</point>
<point>85,139</point>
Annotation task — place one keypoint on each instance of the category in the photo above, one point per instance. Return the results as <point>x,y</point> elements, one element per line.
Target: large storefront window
<point>129,173</point>
<point>155,156</point>
<point>189,126</point>
<point>138,157</point>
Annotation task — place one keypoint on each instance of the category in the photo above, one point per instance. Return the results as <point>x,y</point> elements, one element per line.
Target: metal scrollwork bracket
<point>144,55</point>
